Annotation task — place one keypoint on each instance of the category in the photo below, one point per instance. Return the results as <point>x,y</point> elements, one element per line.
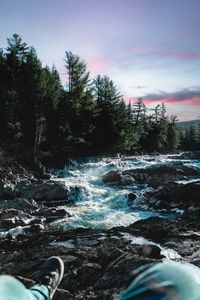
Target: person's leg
<point>51,274</point>
<point>39,292</point>
<point>12,289</point>
<point>163,281</point>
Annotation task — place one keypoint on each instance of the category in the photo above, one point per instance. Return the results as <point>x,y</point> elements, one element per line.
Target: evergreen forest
<point>86,116</point>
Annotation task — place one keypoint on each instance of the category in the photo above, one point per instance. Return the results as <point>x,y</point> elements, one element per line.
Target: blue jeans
<point>13,289</point>
<point>164,281</point>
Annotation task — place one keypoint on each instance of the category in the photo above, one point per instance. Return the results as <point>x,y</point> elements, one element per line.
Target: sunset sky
<point>150,48</point>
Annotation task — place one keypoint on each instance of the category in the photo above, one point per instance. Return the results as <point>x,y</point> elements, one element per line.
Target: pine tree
<point>80,107</point>
<point>109,103</point>
<point>173,134</point>
<point>197,136</point>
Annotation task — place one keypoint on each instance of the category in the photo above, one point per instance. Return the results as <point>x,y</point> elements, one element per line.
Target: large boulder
<point>154,176</point>
<point>176,196</point>
<point>19,203</point>
<point>118,178</point>
<point>43,190</point>
<point>112,177</point>
<point>160,175</point>
<point>154,228</point>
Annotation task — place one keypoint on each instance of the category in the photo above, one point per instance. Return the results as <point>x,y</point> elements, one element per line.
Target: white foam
<point>169,254</point>
<point>103,206</point>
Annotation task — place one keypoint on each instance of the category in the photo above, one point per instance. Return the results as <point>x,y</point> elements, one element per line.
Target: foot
<point>51,274</point>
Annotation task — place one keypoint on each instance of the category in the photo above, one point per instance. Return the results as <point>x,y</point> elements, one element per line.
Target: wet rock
<point>53,213</point>
<point>131,198</point>
<point>19,203</point>
<point>107,253</point>
<point>177,196</point>
<point>45,190</point>
<point>11,218</point>
<point>154,228</point>
<point>127,180</point>
<point>81,277</point>
<point>151,251</point>
<point>116,177</point>
<point>23,230</point>
<point>160,175</point>
<point>112,177</point>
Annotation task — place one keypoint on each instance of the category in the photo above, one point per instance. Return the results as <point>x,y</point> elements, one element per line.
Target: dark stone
<point>112,177</point>
<point>160,175</point>
<point>151,251</point>
<point>53,213</point>
<point>174,195</point>
<point>131,198</point>
<point>19,204</point>
<point>44,190</point>
<point>154,228</point>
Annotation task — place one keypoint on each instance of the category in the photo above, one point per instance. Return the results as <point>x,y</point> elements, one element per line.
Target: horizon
<point>149,48</point>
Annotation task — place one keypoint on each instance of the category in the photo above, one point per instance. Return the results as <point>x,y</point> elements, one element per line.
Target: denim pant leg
<point>39,292</point>
<point>13,289</point>
<point>164,281</point>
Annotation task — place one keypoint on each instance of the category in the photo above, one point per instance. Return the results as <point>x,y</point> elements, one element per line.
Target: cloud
<point>189,95</point>
<point>183,55</point>
<point>140,87</point>
<point>98,65</point>
<point>163,52</point>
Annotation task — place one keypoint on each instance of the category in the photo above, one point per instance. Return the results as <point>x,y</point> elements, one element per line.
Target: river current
<point>100,206</point>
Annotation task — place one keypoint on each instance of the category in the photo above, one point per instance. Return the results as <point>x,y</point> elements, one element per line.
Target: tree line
<point>38,114</point>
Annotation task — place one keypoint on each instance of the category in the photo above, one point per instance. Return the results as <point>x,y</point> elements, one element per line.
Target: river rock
<point>44,190</point>
<point>154,228</point>
<point>118,178</point>
<point>23,230</point>
<point>151,251</point>
<point>19,203</point>
<point>176,196</point>
<point>53,213</point>
<point>11,218</point>
<point>112,177</point>
<point>131,197</point>
<point>154,176</point>
<point>159,175</point>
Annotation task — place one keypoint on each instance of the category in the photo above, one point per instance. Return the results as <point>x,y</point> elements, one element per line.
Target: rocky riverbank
<point>98,263</point>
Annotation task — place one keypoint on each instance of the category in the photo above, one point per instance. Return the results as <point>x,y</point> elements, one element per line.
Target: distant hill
<point>187,124</point>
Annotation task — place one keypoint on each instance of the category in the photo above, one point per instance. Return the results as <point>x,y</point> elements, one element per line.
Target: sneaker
<point>51,274</point>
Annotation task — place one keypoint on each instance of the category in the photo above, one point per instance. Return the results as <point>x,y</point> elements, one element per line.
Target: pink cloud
<point>129,99</point>
<point>189,95</point>
<point>184,55</point>
<point>98,65</point>
<point>171,100</point>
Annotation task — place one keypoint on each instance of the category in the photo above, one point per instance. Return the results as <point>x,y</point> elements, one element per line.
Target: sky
<point>149,48</point>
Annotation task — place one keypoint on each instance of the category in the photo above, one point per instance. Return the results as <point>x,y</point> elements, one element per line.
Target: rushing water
<point>97,205</point>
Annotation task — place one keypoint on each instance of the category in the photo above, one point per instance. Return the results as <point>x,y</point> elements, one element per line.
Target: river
<point>100,206</point>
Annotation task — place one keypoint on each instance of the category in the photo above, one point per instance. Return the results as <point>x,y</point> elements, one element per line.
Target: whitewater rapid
<point>99,206</point>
